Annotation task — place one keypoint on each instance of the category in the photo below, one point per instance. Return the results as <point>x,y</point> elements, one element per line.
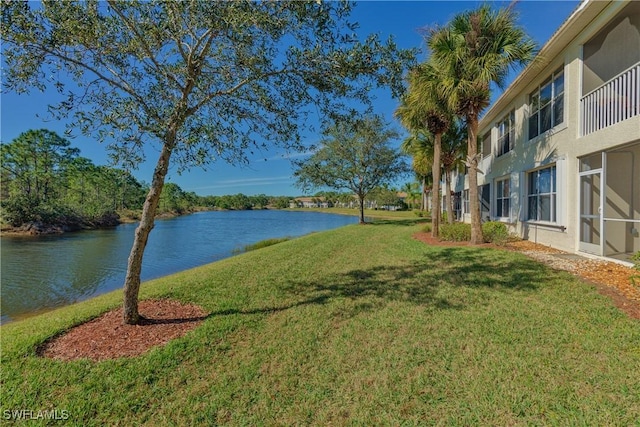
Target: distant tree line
<point>381,197</point>
<point>174,199</point>
<point>243,202</point>
<point>335,198</point>
<point>46,180</point>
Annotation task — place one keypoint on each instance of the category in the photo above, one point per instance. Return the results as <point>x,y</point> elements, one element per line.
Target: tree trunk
<point>447,186</point>
<point>435,191</point>
<point>134,264</point>
<point>361,198</point>
<point>474,201</point>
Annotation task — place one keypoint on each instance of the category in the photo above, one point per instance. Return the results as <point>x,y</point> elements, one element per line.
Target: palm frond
<point>478,48</point>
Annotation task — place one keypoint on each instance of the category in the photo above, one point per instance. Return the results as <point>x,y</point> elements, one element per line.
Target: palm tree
<point>475,49</point>
<point>419,145</point>
<point>427,187</point>
<point>412,189</point>
<point>423,107</point>
<point>454,151</point>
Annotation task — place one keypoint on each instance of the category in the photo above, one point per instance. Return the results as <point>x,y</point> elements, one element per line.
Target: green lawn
<point>356,326</point>
<point>370,214</point>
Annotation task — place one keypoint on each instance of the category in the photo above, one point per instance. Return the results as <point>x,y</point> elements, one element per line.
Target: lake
<point>44,272</point>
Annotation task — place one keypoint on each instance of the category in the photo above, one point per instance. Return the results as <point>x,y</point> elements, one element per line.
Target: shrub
<point>427,228</point>
<point>495,232</point>
<point>635,278</point>
<point>23,209</point>
<point>456,232</point>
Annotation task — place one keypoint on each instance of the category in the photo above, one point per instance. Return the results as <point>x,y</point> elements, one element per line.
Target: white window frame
<point>465,202</point>
<point>506,131</point>
<point>552,194</point>
<point>555,101</point>
<point>502,198</point>
<point>485,137</point>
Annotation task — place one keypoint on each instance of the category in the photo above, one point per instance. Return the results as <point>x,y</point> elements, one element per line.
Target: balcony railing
<point>615,101</point>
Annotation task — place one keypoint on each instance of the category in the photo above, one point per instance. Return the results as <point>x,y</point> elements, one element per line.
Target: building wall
<point>563,145</point>
<point>613,41</point>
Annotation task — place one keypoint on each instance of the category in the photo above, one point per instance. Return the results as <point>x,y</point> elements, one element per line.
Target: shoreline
<point>27,239</point>
<point>38,228</point>
<point>370,317</point>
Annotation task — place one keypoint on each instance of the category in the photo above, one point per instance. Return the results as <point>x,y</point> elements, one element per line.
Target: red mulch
<point>611,279</point>
<point>106,337</point>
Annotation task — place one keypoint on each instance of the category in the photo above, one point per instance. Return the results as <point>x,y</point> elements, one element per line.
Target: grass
<point>370,214</point>
<point>356,326</point>
<point>261,244</point>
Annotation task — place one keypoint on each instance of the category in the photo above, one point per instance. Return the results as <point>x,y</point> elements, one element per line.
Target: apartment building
<point>561,146</point>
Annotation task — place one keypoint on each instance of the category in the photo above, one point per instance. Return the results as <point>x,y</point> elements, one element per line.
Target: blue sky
<point>271,172</point>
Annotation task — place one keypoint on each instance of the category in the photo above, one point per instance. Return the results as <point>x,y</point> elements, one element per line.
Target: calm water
<point>42,273</point>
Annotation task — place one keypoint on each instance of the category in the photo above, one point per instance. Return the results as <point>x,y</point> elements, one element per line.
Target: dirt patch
<point>610,278</point>
<point>106,337</point>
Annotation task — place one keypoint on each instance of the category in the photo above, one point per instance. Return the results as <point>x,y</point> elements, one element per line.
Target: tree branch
<point>235,88</point>
<point>122,84</point>
<point>145,46</point>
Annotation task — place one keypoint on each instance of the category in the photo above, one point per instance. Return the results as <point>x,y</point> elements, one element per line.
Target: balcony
<point>616,100</point>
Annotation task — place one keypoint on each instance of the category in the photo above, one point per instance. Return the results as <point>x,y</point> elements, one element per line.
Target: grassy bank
<point>370,214</point>
<point>356,326</point>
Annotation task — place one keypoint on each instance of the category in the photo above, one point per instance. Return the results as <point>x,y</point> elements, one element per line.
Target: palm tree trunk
<point>424,194</point>
<point>435,192</point>
<point>449,201</point>
<point>472,158</point>
<point>131,315</point>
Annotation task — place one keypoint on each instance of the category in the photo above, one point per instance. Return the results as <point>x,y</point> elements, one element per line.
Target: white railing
<point>615,101</point>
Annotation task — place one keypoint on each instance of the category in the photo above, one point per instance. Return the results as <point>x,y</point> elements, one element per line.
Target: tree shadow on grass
<point>439,280</point>
<point>445,279</point>
<point>481,267</point>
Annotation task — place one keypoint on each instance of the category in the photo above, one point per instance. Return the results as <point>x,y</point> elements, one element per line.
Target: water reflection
<point>40,273</point>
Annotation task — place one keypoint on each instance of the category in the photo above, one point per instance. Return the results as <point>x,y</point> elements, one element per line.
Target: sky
<point>271,172</point>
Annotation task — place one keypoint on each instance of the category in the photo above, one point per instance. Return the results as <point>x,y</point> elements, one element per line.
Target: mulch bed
<point>611,279</point>
<point>106,337</point>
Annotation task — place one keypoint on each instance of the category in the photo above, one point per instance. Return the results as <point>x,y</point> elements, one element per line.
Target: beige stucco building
<point>561,146</point>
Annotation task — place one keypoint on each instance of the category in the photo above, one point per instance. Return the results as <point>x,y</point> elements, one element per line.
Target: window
<point>486,144</point>
<point>457,205</point>
<point>503,198</point>
<point>542,195</point>
<point>484,194</point>
<point>546,105</point>
<point>506,134</point>
<point>465,201</point>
